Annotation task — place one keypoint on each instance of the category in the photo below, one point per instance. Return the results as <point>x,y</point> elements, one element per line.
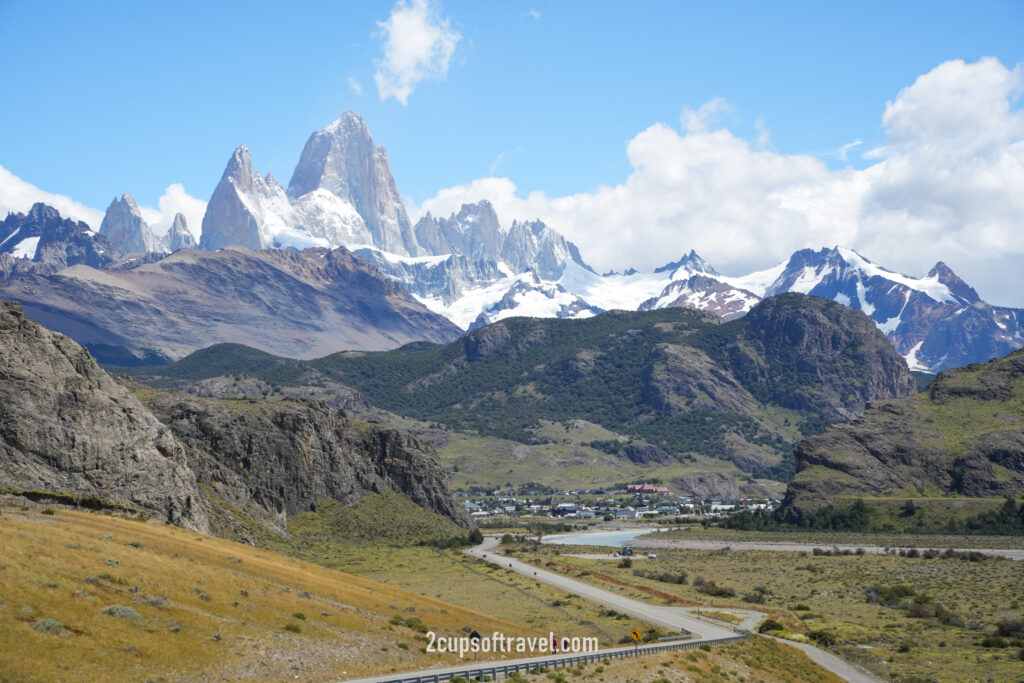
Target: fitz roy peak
<point>343,161</point>
<point>341,194</point>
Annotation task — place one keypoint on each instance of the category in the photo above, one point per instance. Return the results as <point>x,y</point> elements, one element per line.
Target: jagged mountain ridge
<point>43,242</point>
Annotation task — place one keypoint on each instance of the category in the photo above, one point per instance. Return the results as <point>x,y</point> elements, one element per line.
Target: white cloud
<point>946,186</point>
<point>18,196</point>
<point>355,86</point>
<point>533,14</point>
<point>418,44</point>
<point>843,152</point>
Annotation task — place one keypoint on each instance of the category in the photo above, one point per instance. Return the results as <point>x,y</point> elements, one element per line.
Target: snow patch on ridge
<point>26,248</point>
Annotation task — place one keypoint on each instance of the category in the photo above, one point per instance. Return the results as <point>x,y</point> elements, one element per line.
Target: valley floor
<point>901,618</point>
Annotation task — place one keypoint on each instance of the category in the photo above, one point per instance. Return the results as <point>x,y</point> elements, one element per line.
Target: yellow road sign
<point>635,635</point>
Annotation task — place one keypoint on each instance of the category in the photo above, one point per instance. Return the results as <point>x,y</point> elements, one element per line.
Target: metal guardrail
<point>490,672</point>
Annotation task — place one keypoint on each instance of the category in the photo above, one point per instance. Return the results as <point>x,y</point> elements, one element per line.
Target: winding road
<point>674,618</point>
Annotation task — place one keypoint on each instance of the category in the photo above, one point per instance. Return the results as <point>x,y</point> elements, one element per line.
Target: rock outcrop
<point>963,436</point>
<point>65,425</point>
<point>807,337</point>
<point>269,458</point>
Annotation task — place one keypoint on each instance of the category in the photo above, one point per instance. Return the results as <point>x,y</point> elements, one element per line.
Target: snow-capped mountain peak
<point>691,264</point>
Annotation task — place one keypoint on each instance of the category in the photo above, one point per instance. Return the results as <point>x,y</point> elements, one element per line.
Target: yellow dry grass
<point>207,608</point>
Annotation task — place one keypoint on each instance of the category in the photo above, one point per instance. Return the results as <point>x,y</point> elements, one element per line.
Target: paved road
<point>704,544</point>
<point>667,617</point>
<point>673,619</point>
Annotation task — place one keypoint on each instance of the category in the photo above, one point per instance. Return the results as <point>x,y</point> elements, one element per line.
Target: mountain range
<point>473,271</point>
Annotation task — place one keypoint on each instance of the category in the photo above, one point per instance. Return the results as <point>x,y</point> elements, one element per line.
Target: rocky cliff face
<point>473,232</point>
<point>343,160</point>
<point>534,245</point>
<point>124,226</point>
<point>809,337</point>
<point>272,459</point>
<point>65,425</point>
<point>963,436</point>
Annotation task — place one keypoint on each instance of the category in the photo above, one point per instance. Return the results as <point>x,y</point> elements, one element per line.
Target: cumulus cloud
<point>418,44</point>
<point>945,186</point>
<point>18,196</point>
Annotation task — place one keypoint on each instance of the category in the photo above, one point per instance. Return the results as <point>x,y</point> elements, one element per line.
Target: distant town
<point>629,502</point>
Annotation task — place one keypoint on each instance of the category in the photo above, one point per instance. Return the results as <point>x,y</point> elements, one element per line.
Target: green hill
<point>963,437</point>
<point>670,385</point>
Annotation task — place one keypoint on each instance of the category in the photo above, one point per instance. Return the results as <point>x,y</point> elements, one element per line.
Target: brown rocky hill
<point>297,304</point>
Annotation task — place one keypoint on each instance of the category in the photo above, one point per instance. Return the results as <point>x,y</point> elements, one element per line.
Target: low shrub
<point>121,612</point>
<point>49,626</point>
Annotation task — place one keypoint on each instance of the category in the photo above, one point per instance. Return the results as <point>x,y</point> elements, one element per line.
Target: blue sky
<point>134,96</point>
<point>104,98</point>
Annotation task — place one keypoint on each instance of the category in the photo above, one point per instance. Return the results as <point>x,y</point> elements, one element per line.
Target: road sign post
<point>474,636</point>
<point>636,636</point>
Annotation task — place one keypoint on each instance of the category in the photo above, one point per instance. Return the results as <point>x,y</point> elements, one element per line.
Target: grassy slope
<point>562,461</point>
<point>833,590</point>
<point>187,589</point>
